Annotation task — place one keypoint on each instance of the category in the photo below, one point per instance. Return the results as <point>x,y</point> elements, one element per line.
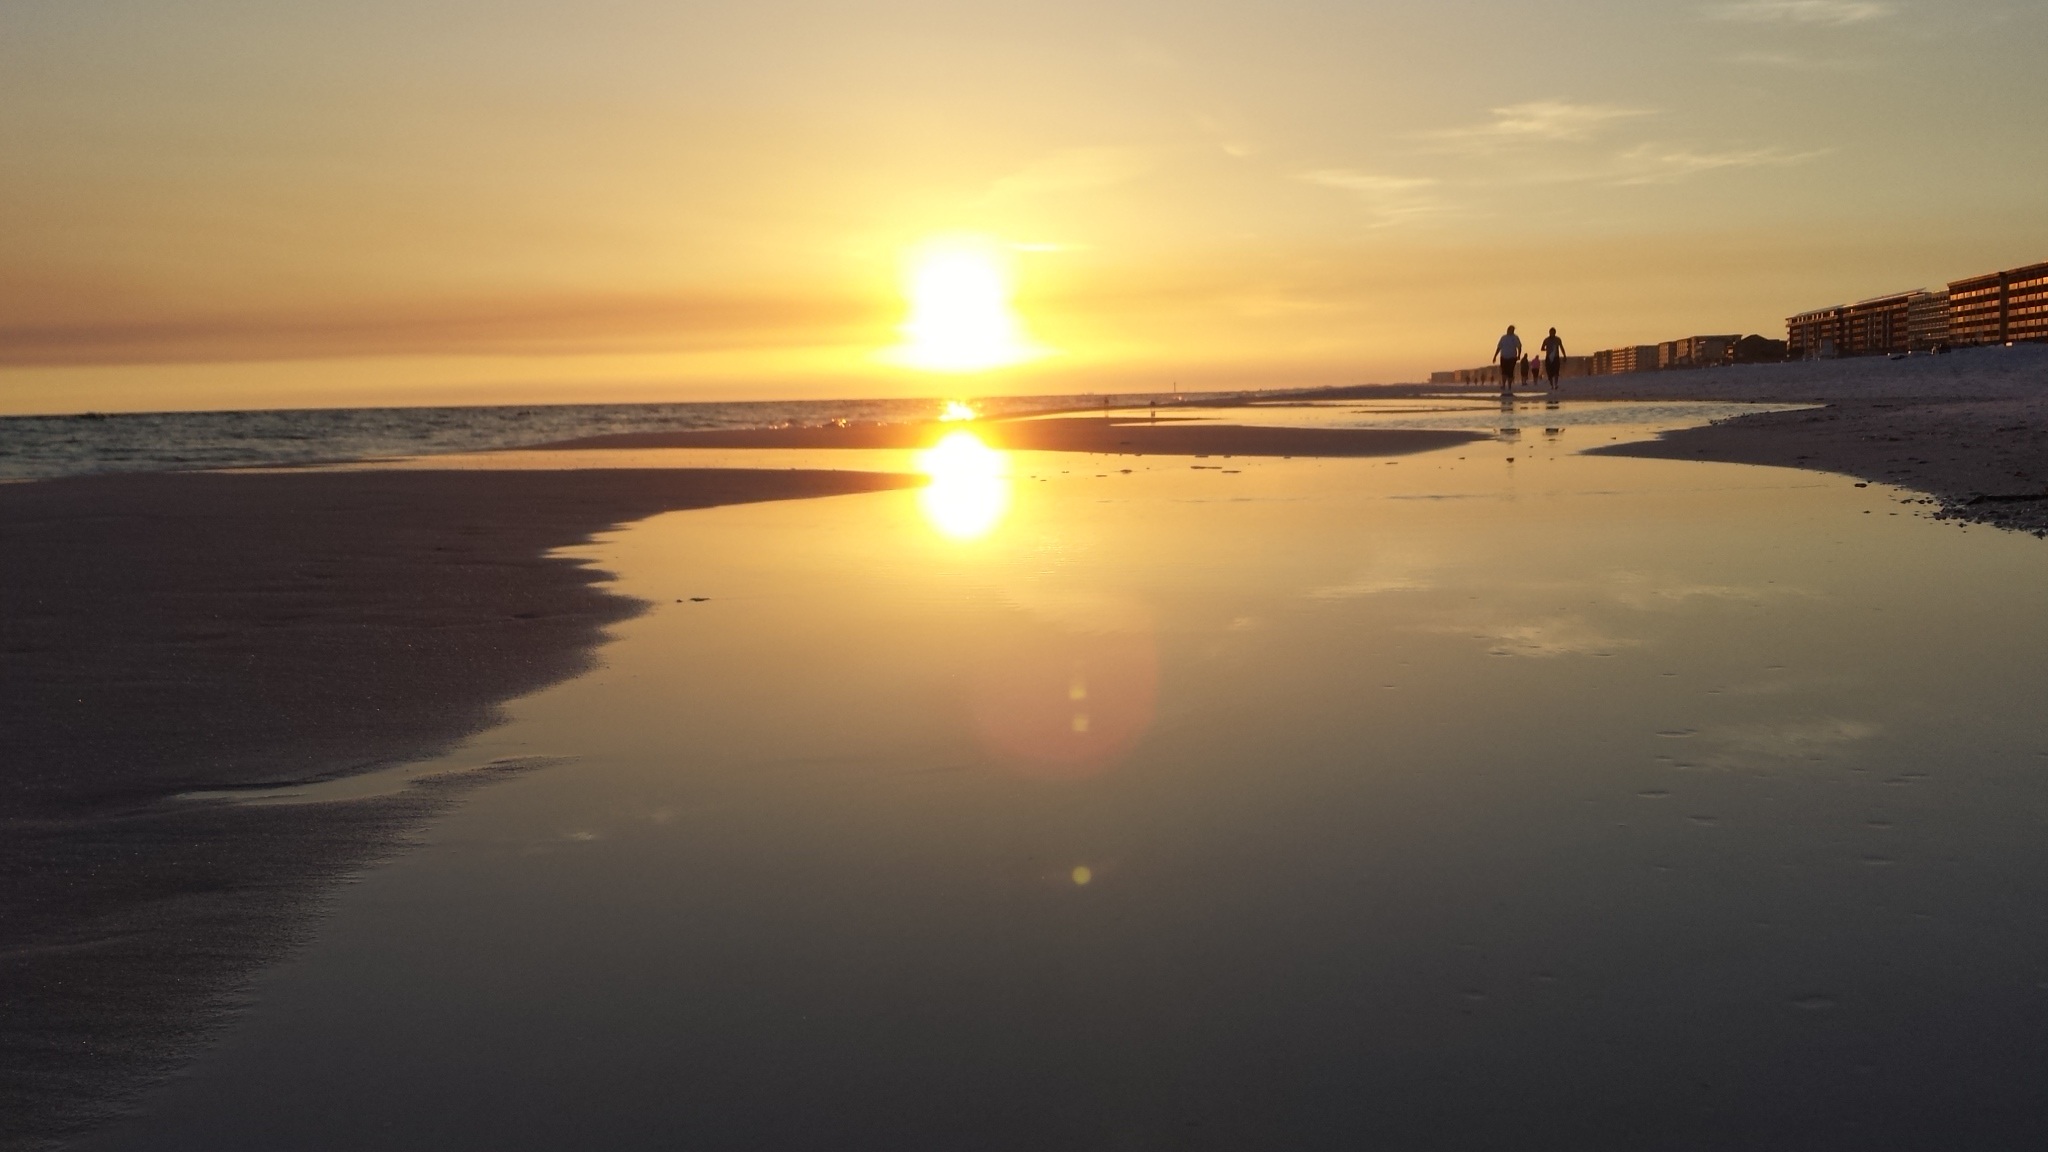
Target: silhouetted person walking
<point>1508,353</point>
<point>1553,357</point>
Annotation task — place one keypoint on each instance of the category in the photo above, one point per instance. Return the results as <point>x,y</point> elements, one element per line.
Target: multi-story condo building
<point>1877,326</point>
<point>1815,335</point>
<point>1697,352</point>
<point>1999,307</point>
<point>1629,358</point>
<point>1927,321</point>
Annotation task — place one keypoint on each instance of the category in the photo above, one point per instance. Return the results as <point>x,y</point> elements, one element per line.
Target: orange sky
<point>218,204</point>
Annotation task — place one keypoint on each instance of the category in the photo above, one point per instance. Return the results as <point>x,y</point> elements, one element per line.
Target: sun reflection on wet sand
<point>970,486</point>
<point>1054,703</point>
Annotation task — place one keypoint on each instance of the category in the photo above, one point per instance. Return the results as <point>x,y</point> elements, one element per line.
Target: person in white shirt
<point>1509,354</point>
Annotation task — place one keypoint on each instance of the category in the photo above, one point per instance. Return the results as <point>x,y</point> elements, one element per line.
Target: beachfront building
<point>1572,367</point>
<point>1927,321</point>
<point>1999,307</point>
<point>1754,349</point>
<point>1877,326</point>
<point>1880,326</point>
<point>1697,351</point>
<point>1485,374</point>
<point>1628,358</point>
<point>1815,335</point>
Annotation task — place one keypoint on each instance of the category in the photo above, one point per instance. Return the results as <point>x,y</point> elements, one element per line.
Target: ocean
<point>41,447</point>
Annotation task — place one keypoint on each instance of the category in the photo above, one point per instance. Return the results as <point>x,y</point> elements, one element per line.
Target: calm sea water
<point>37,447</point>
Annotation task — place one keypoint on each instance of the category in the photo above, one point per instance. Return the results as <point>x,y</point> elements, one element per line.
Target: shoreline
<point>165,633</point>
<point>1983,461</point>
<point>1117,436</point>
<point>1968,429</point>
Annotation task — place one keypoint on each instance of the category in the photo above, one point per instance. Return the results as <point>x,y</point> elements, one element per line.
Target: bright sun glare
<point>970,488</point>
<point>961,319</point>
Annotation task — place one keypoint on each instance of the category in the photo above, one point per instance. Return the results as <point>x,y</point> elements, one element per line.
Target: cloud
<point>1536,122</point>
<point>1393,199</point>
<point>1793,60</point>
<point>1657,164</point>
<point>1074,170</point>
<point>530,326</point>
<point>1826,13</point>
<point>1228,133</point>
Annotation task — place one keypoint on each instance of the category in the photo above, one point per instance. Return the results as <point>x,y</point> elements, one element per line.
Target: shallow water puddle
<point>1433,801</point>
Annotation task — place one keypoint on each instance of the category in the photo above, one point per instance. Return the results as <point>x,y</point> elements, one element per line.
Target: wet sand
<point>1645,804</point>
<point>163,634</point>
<point>206,632</point>
<point>174,633</point>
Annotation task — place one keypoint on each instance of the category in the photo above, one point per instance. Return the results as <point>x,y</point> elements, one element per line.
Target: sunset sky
<point>232,204</point>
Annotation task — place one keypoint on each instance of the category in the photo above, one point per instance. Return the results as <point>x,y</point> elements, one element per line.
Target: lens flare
<point>956,410</point>
<point>961,319</point>
<point>969,489</point>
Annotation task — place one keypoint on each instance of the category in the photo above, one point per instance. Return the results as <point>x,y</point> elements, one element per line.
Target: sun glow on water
<point>961,317</point>
<point>969,489</point>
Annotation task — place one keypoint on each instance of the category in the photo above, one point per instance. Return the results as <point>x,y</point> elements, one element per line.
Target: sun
<point>961,319</point>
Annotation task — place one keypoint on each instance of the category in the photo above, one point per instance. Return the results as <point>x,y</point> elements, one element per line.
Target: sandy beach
<point>212,632</point>
<point>1969,429</point>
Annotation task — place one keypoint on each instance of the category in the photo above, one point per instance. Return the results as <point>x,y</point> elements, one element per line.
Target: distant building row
<point>1687,352</point>
<point>1995,308</point>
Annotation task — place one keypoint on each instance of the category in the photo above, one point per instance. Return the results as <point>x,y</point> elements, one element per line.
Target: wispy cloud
<point>1793,60</point>
<point>1536,122</point>
<point>1828,13</point>
<point>1393,199</point>
<point>1228,133</point>
<point>1074,170</point>
<point>570,325</point>
<point>1658,164</point>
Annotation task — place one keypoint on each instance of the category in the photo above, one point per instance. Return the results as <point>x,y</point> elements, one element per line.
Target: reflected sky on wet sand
<point>1491,797</point>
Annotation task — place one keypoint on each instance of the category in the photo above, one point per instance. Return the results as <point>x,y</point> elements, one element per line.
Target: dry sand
<point>168,633</point>
<point>1969,429</point>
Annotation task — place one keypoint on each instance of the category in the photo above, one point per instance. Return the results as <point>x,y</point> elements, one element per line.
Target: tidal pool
<point>1437,802</point>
